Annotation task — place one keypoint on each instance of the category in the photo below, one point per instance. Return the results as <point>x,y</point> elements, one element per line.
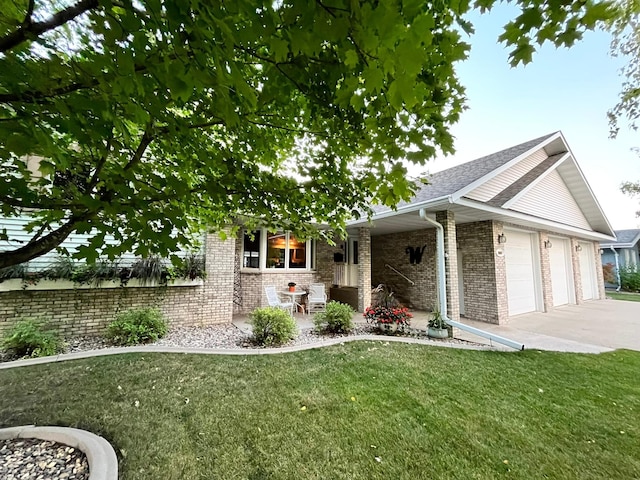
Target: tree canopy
<point>146,120</point>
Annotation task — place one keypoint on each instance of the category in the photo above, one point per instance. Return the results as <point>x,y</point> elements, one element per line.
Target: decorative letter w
<point>415,254</point>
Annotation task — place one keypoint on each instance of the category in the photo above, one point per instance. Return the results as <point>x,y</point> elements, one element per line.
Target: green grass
<point>425,412</point>
<point>631,297</point>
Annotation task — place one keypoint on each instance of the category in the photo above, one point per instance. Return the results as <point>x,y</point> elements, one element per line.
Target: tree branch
<point>146,139</point>
<point>288,129</point>
<point>30,30</point>
<point>43,245</point>
<point>27,18</point>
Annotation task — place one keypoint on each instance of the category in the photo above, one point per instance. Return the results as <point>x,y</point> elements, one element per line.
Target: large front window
<point>277,250</point>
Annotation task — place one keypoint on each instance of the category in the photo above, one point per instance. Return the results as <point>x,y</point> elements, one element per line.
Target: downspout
<point>442,290</point>
<point>616,255</point>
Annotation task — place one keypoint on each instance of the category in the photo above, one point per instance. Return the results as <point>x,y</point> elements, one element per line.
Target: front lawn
<point>363,410</point>
<point>631,297</point>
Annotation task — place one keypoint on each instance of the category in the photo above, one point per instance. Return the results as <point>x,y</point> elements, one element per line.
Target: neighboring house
<point>624,252</point>
<point>522,233</point>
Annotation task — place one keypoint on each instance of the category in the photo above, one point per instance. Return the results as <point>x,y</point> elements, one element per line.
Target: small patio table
<point>294,298</point>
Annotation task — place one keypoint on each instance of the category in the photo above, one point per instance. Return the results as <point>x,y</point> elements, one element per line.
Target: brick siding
<point>89,311</point>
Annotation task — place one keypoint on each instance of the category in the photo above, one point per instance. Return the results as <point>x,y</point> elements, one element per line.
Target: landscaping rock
<point>34,459</point>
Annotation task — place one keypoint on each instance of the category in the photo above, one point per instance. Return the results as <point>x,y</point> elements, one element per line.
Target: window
<point>277,250</point>
<point>251,247</point>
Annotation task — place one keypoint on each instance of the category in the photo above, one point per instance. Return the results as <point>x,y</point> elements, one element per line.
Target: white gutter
<point>616,255</point>
<point>442,290</point>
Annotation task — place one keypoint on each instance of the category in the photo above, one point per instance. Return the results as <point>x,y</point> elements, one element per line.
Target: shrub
<point>272,326</point>
<point>608,273</point>
<point>337,318</point>
<point>630,278</point>
<point>31,338</point>
<point>138,325</point>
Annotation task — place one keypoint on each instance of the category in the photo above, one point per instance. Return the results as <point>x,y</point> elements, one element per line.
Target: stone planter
<point>388,327</point>
<point>438,332</point>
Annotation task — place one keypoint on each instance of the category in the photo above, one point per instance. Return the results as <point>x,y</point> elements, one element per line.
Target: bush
<point>630,278</point>
<point>272,326</point>
<point>337,318</point>
<point>31,338</point>
<point>138,325</point>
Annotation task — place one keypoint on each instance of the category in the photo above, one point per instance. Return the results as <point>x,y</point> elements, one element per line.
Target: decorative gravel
<point>34,459</point>
<point>228,336</point>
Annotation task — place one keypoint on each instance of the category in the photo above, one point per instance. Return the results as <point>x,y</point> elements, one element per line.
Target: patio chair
<point>317,298</point>
<point>274,299</point>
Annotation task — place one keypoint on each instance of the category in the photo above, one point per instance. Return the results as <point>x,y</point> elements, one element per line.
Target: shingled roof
<point>448,182</point>
<point>625,237</point>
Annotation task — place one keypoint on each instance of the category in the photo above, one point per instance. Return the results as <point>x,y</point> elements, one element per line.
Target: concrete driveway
<point>593,327</point>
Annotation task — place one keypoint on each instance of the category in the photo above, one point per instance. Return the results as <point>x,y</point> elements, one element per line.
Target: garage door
<point>587,271</point>
<point>561,273</point>
<point>521,283</point>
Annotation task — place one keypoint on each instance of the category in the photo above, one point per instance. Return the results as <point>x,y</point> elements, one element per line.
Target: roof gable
<point>538,182</point>
<point>551,198</point>
<point>454,179</point>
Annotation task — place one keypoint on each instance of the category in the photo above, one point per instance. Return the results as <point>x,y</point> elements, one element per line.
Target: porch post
<point>364,268</point>
<point>447,220</point>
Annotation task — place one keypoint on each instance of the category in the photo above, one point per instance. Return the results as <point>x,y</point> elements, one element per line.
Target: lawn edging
<point>228,351</point>
<point>103,463</point>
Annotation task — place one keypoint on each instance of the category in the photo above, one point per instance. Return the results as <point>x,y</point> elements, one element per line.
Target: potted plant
<point>292,286</point>
<point>437,328</point>
<point>388,319</point>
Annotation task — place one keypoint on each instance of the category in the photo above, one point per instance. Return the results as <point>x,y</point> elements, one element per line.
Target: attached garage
<point>561,272</point>
<point>587,271</point>
<point>522,272</point>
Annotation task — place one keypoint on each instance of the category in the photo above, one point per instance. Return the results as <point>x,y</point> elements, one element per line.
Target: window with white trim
<point>274,251</point>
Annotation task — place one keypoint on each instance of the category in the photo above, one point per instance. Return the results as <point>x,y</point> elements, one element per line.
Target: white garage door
<point>561,273</point>
<point>521,283</point>
<point>587,271</point>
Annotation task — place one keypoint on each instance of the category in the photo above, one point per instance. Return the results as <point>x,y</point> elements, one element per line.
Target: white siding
<point>497,184</point>
<point>551,199</point>
<point>19,236</point>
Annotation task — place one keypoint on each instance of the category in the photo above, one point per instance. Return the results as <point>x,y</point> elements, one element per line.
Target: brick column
<point>577,276</point>
<point>217,296</point>
<point>599,273</point>
<point>545,272</point>
<point>364,269</point>
<point>500,266</point>
<point>446,219</point>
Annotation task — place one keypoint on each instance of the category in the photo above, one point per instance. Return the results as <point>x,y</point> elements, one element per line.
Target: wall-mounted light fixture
<point>602,251</point>
<point>548,244</point>
<point>502,238</point>
<point>578,248</point>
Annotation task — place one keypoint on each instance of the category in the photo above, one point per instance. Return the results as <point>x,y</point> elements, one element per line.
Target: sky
<point>562,89</point>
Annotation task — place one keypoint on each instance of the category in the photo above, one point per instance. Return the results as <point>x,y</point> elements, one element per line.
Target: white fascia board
<point>472,186</point>
<point>444,200</point>
<point>530,218</point>
<point>584,179</point>
<point>526,189</point>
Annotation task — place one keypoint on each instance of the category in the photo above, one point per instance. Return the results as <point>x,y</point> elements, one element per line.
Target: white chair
<point>317,298</point>
<point>274,299</point>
